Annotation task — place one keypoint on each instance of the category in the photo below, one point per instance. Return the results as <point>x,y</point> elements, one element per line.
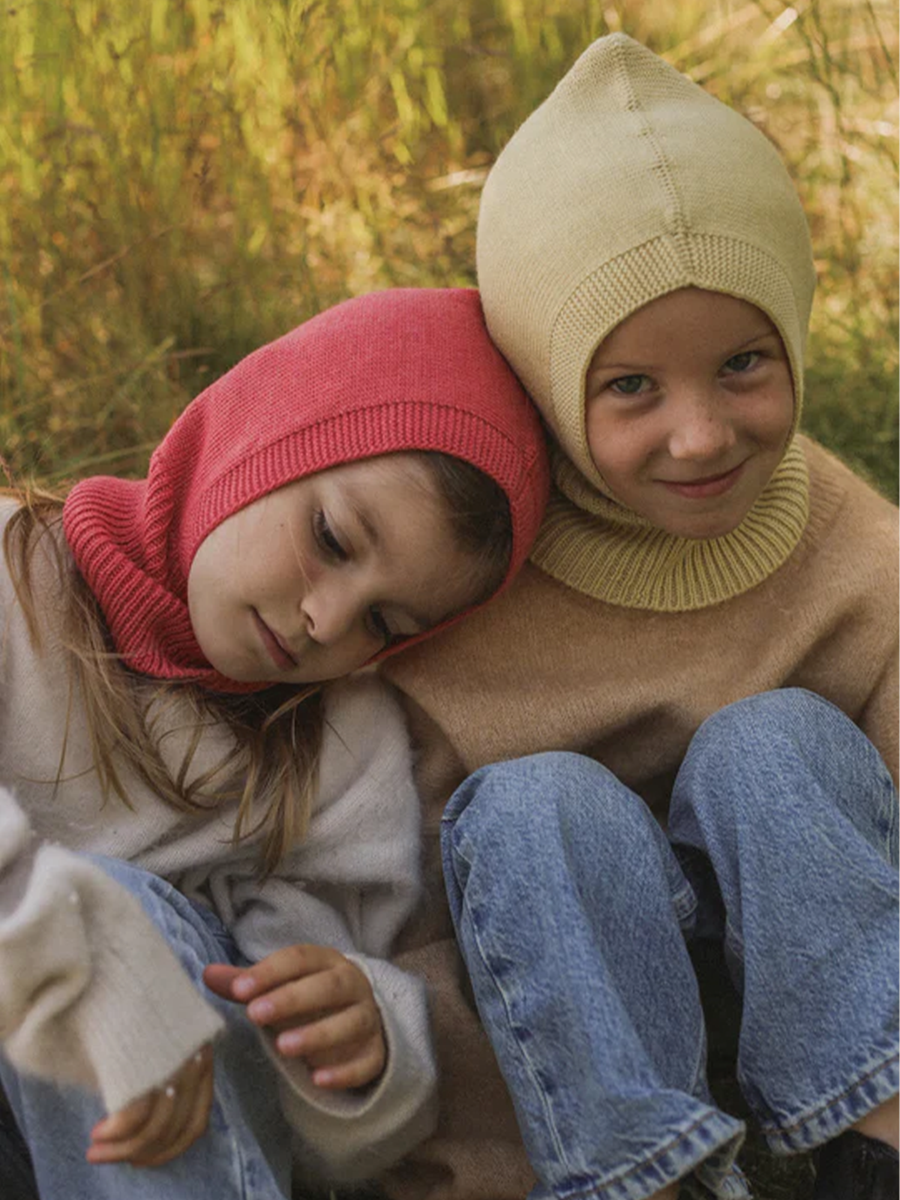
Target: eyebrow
<point>640,368</point>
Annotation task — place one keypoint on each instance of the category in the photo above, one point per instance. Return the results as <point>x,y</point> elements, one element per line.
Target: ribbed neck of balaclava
<point>610,553</point>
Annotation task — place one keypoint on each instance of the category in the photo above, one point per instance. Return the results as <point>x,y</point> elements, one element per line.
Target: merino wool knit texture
<point>627,183</point>
<point>90,994</point>
<point>403,369</point>
<point>617,641</point>
<point>548,667</point>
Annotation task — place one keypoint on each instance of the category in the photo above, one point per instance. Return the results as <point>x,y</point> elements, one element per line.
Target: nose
<point>701,428</point>
<point>331,614</point>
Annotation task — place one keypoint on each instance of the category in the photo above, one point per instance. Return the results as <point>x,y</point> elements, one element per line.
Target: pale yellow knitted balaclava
<point>627,183</point>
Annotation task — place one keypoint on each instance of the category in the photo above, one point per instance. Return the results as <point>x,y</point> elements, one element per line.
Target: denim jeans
<point>573,910</point>
<point>245,1152</point>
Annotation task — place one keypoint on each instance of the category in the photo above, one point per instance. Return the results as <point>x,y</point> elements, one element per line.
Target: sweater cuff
<point>347,1136</point>
<point>90,993</point>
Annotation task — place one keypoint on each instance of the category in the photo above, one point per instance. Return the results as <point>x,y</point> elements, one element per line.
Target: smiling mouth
<point>710,485</point>
<point>275,647</point>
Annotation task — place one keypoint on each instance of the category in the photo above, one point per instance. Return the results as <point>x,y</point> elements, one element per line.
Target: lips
<point>710,485</point>
<point>275,647</point>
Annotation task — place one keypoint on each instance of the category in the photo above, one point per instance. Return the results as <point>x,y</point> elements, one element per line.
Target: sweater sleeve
<point>90,994</point>
<point>351,885</point>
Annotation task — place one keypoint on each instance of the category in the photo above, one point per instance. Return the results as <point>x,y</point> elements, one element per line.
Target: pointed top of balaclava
<point>627,183</point>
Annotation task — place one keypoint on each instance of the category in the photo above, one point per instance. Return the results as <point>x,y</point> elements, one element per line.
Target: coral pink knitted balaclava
<point>406,369</point>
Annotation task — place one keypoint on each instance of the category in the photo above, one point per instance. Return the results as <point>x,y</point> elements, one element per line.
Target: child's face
<point>309,582</point>
<point>689,405</point>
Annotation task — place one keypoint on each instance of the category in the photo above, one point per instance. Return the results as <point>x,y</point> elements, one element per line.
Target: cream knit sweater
<point>547,667</point>
<point>90,993</point>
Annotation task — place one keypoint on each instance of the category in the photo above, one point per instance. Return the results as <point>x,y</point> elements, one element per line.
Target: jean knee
<point>782,737</point>
<point>528,804</point>
<point>771,721</point>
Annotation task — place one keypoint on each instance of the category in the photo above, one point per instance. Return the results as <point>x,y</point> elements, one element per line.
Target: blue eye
<point>326,539</point>
<point>629,385</point>
<point>740,363</point>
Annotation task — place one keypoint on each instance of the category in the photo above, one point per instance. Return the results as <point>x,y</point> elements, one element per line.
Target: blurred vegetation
<point>183,180</point>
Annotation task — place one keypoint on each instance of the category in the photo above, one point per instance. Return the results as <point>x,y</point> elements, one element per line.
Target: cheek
<point>618,448</point>
<point>775,419</point>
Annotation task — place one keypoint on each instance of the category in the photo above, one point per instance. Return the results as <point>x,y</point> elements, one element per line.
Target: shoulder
<point>365,736</point>
<point>50,553</point>
<point>363,709</point>
<point>845,567</point>
<point>848,518</point>
<point>838,490</point>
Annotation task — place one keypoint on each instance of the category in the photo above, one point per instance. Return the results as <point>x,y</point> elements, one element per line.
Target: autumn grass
<point>183,180</point>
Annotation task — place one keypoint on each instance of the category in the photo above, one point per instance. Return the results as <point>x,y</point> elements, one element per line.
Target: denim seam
<point>663,1150</point>
<point>734,941</point>
<point>531,1070</point>
<point>768,1127</point>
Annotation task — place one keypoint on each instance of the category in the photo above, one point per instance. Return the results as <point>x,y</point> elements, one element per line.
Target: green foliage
<point>183,180</point>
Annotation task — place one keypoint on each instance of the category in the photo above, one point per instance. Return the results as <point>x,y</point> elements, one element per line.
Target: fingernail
<point>288,1042</point>
<point>322,1078</point>
<point>260,1010</point>
<point>244,986</point>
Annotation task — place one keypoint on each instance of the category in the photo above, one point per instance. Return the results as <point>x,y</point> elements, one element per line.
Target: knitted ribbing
<point>610,553</point>
<point>406,369</point>
<point>629,183</point>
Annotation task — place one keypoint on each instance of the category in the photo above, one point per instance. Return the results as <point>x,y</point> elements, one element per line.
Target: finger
<point>291,962</point>
<point>348,1027</point>
<point>124,1149</point>
<point>361,1068</point>
<point>126,1122</point>
<point>190,1125</point>
<point>219,978</point>
<point>166,1110</point>
<point>185,1089</point>
<point>341,985</point>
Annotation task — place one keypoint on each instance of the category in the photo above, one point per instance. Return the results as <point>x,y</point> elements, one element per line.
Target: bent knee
<point>529,798</point>
<point>786,714</point>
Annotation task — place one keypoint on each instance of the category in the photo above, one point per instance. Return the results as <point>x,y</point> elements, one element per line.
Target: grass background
<point>184,180</point>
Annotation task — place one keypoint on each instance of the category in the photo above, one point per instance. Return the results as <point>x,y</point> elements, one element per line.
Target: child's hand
<point>161,1125</point>
<point>321,1006</point>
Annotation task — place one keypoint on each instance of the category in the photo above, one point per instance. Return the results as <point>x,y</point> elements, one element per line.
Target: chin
<point>703,528</point>
<point>714,530</point>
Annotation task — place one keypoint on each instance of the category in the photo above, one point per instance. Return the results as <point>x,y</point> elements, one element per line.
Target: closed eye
<point>326,539</point>
<point>379,626</point>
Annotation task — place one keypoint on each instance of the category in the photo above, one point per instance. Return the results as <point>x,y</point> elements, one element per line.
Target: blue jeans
<point>572,909</point>
<point>245,1152</point>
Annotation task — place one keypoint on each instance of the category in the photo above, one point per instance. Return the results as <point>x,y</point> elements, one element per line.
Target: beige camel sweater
<point>549,668</point>
<point>90,994</point>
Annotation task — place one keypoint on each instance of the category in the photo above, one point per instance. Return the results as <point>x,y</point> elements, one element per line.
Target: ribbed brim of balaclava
<point>404,369</point>
<point>627,183</point>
